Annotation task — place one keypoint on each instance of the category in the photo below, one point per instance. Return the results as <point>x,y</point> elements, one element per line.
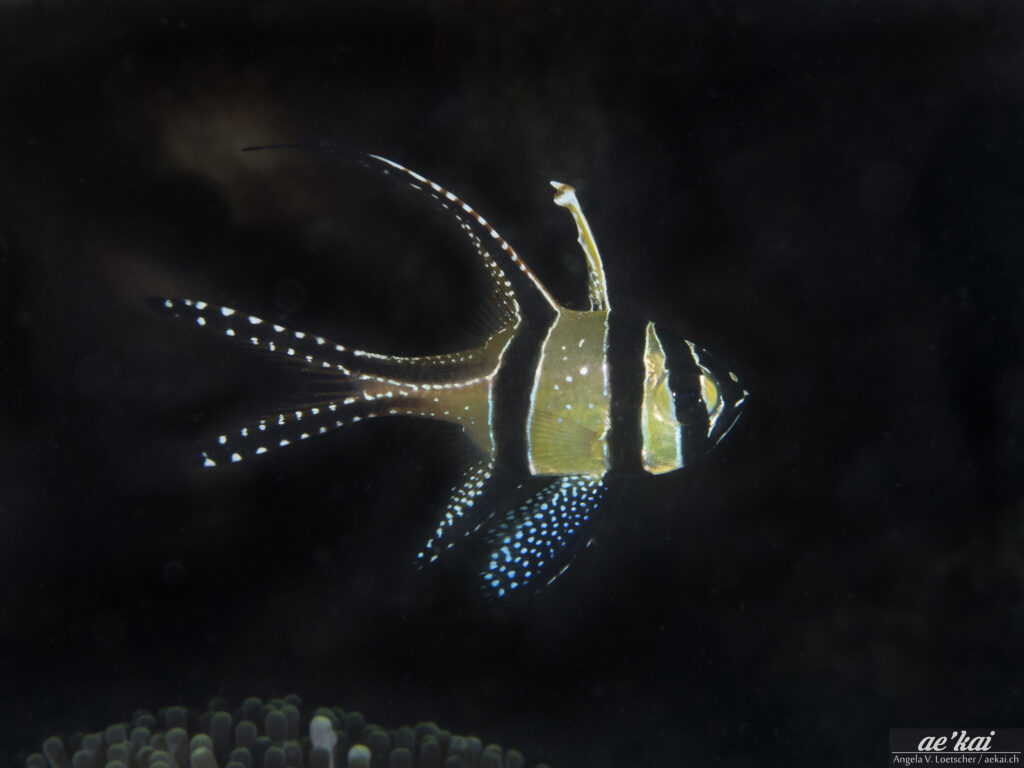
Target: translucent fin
<point>534,544</point>
<point>460,518</point>
<point>558,445</point>
<point>454,204</point>
<point>506,306</point>
<point>503,308</point>
<point>456,387</point>
<point>324,355</point>
<point>314,351</point>
<point>286,428</point>
<point>501,289</point>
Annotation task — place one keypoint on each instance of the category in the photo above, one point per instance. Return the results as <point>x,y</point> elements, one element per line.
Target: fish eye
<point>709,392</point>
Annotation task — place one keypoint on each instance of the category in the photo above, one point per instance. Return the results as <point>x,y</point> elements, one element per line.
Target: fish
<point>570,417</point>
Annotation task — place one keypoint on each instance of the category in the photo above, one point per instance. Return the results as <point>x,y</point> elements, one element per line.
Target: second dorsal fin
<point>459,208</point>
<point>504,307</point>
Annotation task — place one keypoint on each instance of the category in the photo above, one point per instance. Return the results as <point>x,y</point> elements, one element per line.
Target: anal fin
<point>462,515</point>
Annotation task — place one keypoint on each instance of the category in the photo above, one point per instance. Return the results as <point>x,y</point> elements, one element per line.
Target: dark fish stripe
<point>625,362</point>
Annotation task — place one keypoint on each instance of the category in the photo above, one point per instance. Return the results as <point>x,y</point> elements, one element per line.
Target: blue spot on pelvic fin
<point>535,541</point>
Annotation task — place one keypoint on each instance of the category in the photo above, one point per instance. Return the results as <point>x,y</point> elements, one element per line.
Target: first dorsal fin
<point>597,288</point>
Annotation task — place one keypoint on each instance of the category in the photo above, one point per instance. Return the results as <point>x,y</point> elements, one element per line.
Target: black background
<point>829,195</point>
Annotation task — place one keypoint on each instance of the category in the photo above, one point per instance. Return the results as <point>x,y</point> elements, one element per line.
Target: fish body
<point>666,405</point>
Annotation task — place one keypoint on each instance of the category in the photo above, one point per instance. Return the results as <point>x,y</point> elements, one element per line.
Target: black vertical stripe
<point>626,366</point>
<point>513,385</point>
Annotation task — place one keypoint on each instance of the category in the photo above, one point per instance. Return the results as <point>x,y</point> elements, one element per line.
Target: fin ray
<point>284,428</point>
<point>507,305</point>
<point>329,357</point>
<point>462,516</point>
<point>536,542</point>
<point>457,204</point>
<point>297,346</point>
<point>557,442</point>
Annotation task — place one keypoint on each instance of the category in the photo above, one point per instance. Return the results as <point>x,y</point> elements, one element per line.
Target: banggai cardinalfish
<point>562,412</point>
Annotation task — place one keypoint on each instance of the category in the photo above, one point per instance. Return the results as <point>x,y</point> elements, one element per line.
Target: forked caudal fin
<point>456,387</point>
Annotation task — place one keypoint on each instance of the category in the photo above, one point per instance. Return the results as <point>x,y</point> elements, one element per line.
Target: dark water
<point>828,195</point>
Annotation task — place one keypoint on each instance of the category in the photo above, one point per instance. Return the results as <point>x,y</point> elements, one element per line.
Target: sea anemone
<point>275,734</point>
